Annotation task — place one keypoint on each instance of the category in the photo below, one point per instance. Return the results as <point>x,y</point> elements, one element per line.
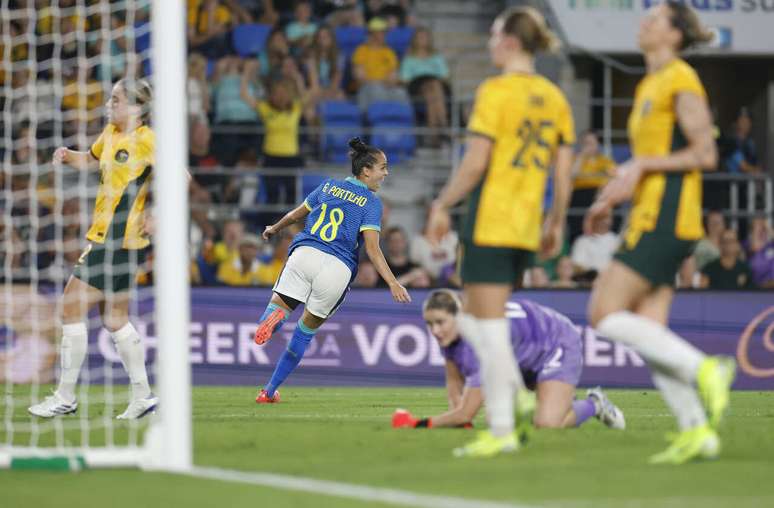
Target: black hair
<point>685,20</point>
<point>362,155</point>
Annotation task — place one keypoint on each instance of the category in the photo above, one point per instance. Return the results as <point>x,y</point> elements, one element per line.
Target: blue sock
<point>271,308</point>
<point>291,357</point>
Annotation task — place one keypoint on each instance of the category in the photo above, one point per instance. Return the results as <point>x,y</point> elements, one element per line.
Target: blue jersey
<point>339,212</point>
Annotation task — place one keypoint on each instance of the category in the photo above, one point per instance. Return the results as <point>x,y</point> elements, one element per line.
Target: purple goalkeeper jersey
<point>537,333</point>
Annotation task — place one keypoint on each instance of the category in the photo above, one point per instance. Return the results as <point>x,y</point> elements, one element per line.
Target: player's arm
<point>455,384</point>
<point>469,174</point>
<point>461,416</point>
<point>553,232</point>
<point>74,158</point>
<point>374,252</point>
<point>298,214</point>
<point>695,121</point>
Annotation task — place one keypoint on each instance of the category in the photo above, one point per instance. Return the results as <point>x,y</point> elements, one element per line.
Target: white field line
<point>347,490</point>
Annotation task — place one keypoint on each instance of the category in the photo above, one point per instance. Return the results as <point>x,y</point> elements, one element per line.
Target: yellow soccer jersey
<point>526,117</point>
<point>125,165</point>
<point>665,202</point>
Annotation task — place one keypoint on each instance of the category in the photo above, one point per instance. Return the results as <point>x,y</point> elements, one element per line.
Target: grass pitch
<point>344,434</point>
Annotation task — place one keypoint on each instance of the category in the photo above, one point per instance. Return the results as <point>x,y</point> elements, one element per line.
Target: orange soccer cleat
<point>263,397</point>
<point>267,326</point>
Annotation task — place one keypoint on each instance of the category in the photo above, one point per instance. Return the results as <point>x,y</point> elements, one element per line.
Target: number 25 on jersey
<point>329,231</point>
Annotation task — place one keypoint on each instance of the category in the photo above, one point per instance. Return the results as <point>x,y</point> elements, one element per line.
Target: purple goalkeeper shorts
<point>564,364</point>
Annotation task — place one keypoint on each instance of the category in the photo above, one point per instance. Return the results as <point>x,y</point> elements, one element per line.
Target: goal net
<point>59,61</point>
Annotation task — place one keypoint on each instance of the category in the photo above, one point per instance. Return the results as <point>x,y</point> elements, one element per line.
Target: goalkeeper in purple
<point>339,216</point>
<point>548,347</point>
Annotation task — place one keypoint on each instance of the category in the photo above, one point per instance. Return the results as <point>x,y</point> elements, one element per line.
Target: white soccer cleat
<point>608,413</point>
<point>53,405</point>
<point>139,408</point>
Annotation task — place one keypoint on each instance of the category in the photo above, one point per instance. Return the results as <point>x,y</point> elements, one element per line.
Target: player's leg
<point>77,299</point>
<point>131,350</point>
<point>292,287</point>
<point>330,279</point>
<point>489,275</point>
<point>555,408</point>
<point>695,437</point>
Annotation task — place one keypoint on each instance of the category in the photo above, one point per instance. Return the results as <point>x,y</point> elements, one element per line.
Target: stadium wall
<point>372,341</point>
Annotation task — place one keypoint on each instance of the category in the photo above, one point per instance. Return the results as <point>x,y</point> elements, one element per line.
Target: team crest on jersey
<point>646,107</point>
<point>122,156</point>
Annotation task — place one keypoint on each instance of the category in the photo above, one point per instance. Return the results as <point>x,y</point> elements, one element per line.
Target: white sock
<point>500,375</point>
<point>682,400</point>
<point>657,345</point>
<point>75,342</point>
<point>132,352</point>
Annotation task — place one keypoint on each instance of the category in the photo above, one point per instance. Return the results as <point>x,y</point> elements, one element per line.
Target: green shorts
<point>493,264</point>
<point>108,269</point>
<point>656,257</point>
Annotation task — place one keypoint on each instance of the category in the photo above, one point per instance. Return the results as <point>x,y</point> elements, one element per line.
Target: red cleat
<point>267,326</point>
<point>263,397</point>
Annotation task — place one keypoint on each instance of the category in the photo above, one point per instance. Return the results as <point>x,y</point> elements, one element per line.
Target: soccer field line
<point>347,490</point>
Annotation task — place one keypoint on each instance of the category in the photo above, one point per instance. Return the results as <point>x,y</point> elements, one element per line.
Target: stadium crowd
<point>247,107</point>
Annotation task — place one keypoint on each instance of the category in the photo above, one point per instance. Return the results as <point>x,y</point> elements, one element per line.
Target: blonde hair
<point>686,21</point>
<point>138,92</point>
<point>529,26</point>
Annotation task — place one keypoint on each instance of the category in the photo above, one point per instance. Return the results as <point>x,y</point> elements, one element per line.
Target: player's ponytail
<point>685,20</point>
<point>362,155</point>
<point>138,92</point>
<point>443,299</point>
<point>529,26</point>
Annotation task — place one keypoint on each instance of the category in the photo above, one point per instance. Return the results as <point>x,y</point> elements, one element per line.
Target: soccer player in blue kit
<point>340,215</point>
<point>548,346</point>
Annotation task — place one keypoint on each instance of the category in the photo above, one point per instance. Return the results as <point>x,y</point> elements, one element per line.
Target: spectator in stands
<point>409,274</point>
<point>262,11</point>
<point>268,273</point>
<point>116,47</point>
<point>760,252</point>
<point>231,111</point>
<point>375,69</point>
<point>729,271</point>
<point>591,170</point>
<point>425,73</point>
<point>688,277</point>
<point>227,248</point>
<point>324,66</point>
<point>210,23</point>
<point>198,105</point>
<point>592,253</point>
<point>301,30</point>
<point>242,270</point>
<point>564,273</point>
<point>535,278</point>
<point>708,248</point>
<point>395,12</point>
<point>275,52</point>
<point>281,115</point>
<point>367,276</point>
<point>738,151</point>
<point>340,12</point>
<point>434,257</point>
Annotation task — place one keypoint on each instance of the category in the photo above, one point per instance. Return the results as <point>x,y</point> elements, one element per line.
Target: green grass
<point>343,434</point>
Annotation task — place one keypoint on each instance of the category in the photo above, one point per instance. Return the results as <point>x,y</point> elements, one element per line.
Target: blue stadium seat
<point>399,39</point>
<point>250,38</point>
<point>350,37</point>
<point>391,124</point>
<point>310,182</point>
<point>344,121</point>
<point>621,152</point>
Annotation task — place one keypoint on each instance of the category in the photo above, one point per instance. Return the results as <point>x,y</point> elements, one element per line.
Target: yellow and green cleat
<point>526,402</point>
<point>700,442</point>
<point>487,445</point>
<point>716,374</point>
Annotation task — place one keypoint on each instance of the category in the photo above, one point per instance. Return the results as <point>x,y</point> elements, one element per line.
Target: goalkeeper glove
<point>402,418</point>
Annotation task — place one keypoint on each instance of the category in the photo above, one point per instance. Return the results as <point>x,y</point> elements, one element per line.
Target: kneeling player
<point>548,346</point>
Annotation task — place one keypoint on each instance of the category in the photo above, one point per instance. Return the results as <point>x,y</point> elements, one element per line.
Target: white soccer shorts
<point>314,277</point>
